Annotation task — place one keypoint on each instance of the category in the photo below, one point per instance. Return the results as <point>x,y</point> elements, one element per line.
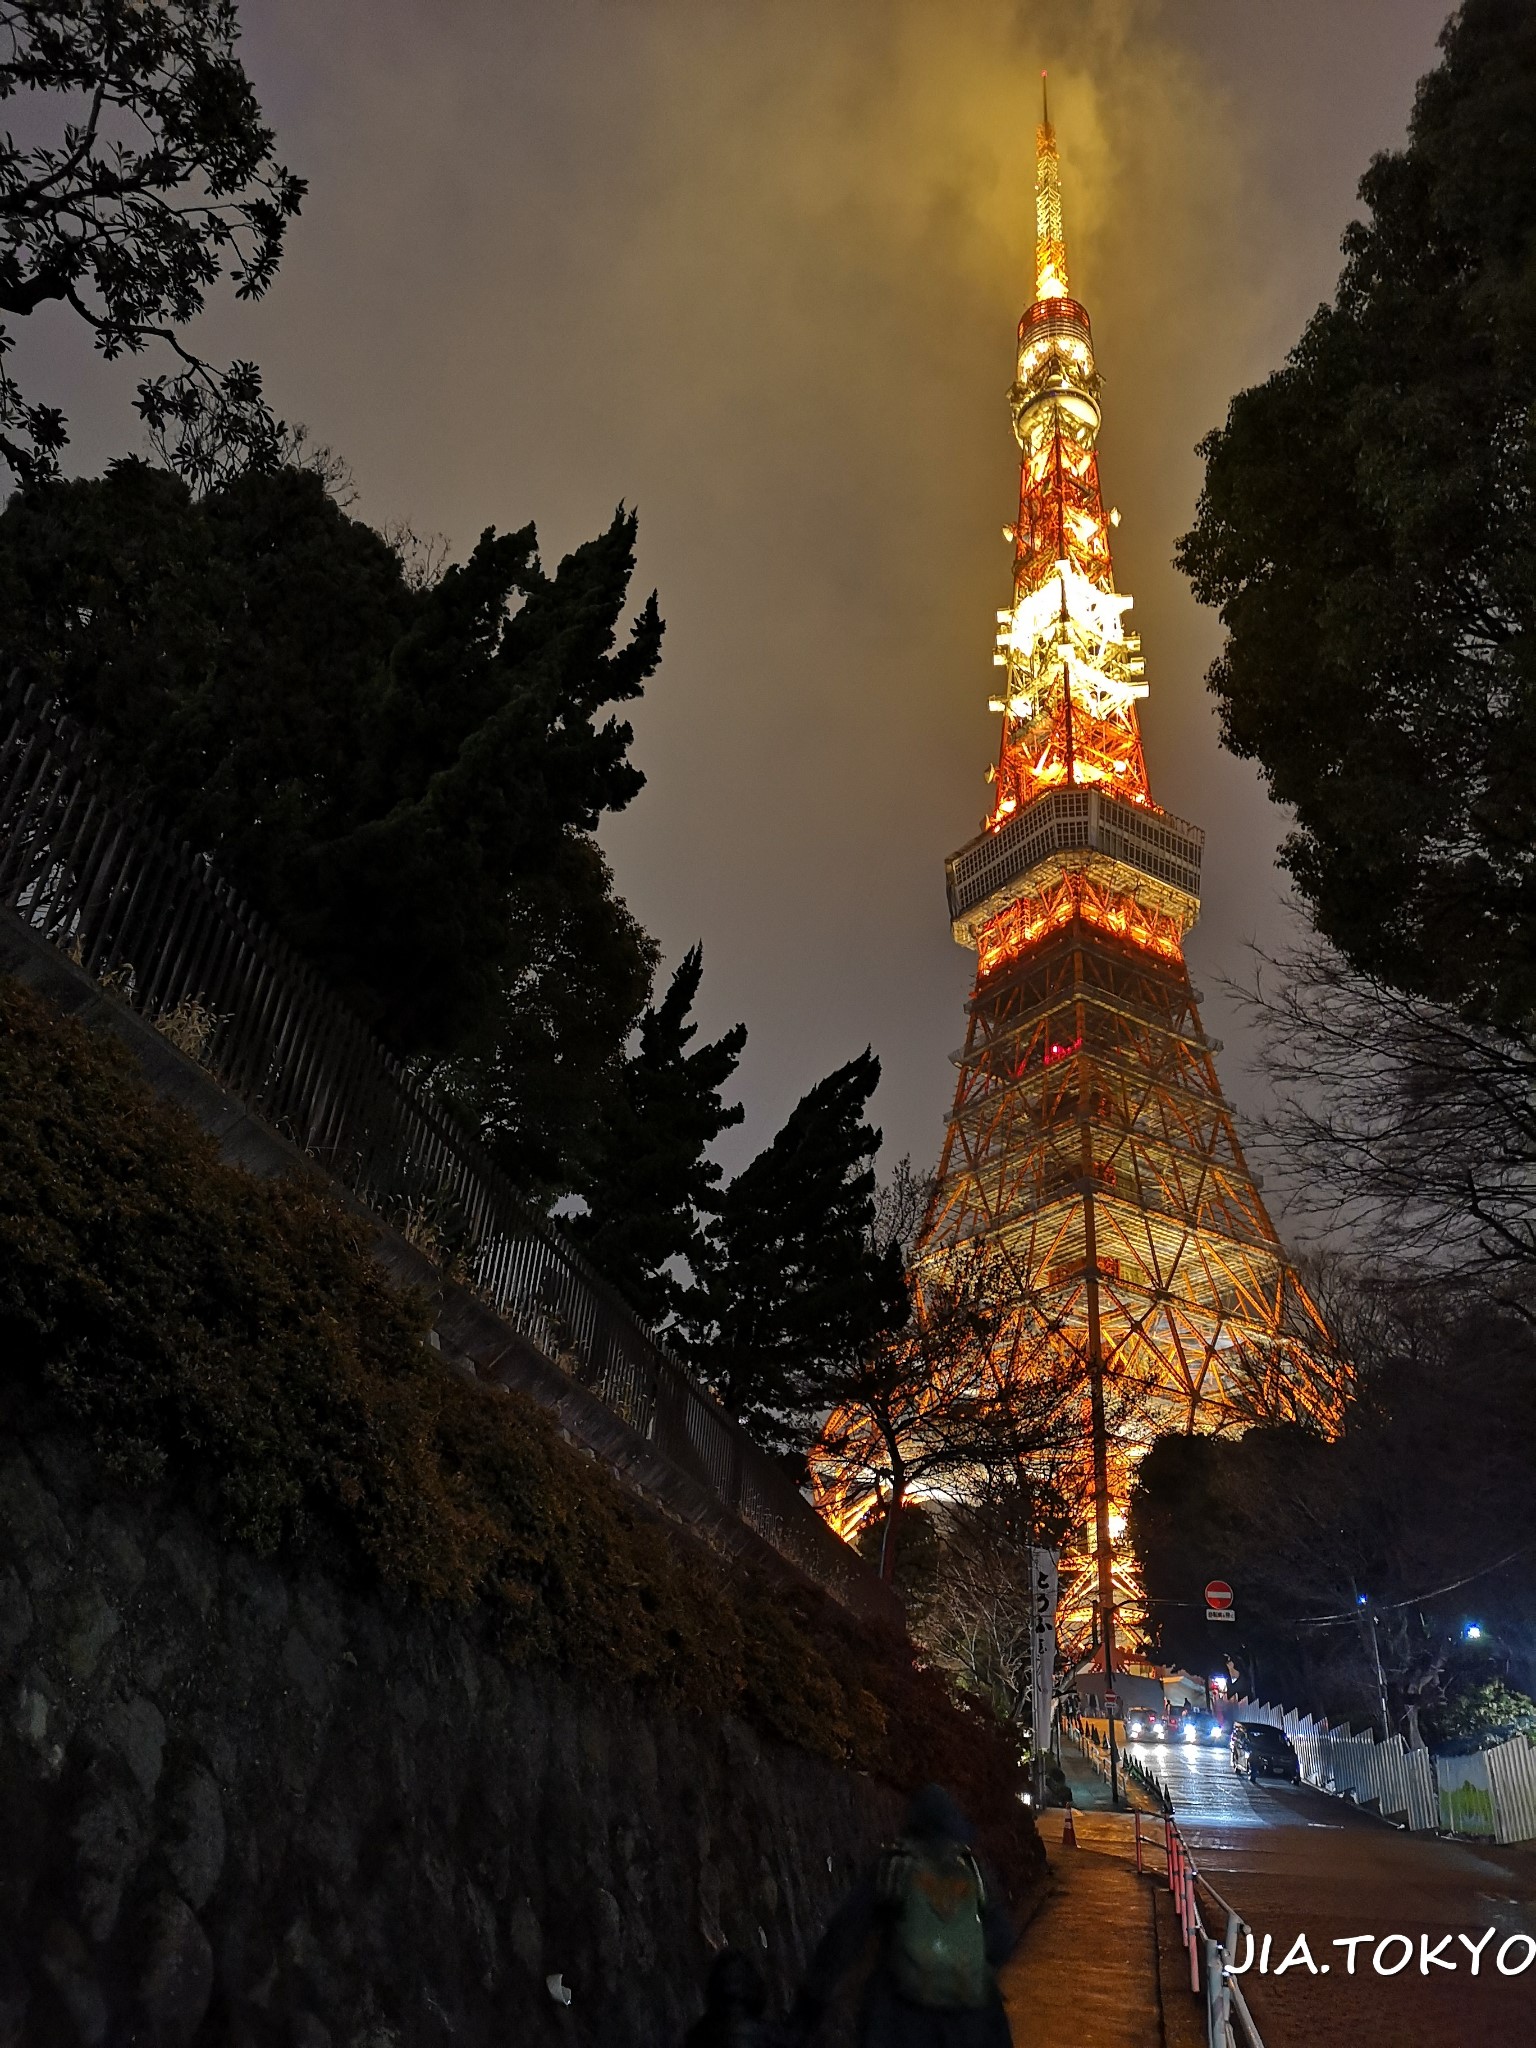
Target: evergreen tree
<point>402,778</point>
<point>651,1182</point>
<point>793,1286</point>
<point>1365,530</point>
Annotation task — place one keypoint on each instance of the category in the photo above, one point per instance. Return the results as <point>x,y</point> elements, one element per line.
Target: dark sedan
<point>1260,1751</point>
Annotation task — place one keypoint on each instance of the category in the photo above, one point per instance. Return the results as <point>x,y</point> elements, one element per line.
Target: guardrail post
<point>1192,1925</point>
<point>1217,2001</point>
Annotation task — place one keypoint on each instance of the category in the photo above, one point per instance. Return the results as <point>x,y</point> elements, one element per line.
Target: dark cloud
<point>755,265</point>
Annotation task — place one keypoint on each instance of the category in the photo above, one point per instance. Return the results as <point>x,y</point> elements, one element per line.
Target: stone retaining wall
<point>257,1810</point>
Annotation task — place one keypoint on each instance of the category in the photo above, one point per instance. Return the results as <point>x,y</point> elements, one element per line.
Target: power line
<point>1380,1606</point>
<point>1414,1599</point>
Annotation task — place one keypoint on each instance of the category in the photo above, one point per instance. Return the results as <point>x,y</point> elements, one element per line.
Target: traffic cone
<point>1068,1831</point>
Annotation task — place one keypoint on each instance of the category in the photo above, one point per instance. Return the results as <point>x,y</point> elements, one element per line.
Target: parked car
<point>1260,1751</point>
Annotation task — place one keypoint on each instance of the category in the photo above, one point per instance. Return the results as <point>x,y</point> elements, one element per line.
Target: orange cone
<point>1068,1831</point>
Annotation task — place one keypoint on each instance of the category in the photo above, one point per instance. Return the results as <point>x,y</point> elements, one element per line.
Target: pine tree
<point>403,778</point>
<point>1365,533</point>
<point>793,1286</point>
<point>651,1182</point>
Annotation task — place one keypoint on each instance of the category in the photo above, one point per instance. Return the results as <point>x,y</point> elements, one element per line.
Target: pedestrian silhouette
<point>735,2004</point>
<point>940,1934</point>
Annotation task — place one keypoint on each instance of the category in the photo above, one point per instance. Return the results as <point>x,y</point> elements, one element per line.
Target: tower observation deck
<point>1089,1144</point>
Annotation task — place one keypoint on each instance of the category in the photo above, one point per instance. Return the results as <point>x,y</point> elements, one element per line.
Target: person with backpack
<point>942,1935</point>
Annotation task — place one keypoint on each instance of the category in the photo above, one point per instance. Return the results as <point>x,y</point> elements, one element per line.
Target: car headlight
<point>1191,1733</point>
<point>1215,1735</point>
<point>1157,1727</point>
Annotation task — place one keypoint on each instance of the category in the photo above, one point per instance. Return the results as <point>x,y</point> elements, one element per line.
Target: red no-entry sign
<point>1218,1594</point>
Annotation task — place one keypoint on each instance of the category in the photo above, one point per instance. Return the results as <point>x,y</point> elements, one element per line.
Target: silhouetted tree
<point>651,1182</point>
<point>146,173</point>
<point>792,1289</point>
<point>1366,533</point>
<point>940,1405</point>
<point>403,776</point>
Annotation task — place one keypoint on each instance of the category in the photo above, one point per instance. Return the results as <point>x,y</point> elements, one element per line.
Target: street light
<point>1472,1632</point>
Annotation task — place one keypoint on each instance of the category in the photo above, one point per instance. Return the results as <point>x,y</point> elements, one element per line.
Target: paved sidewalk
<point>1085,1975</point>
<point>1090,1792</point>
<point>1090,1788</point>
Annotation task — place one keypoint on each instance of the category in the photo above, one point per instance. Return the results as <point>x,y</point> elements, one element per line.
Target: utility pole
<point>1381,1683</point>
<point>1364,1600</point>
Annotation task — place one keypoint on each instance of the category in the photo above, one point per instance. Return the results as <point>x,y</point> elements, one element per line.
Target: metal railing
<point>1212,1976</point>
<point>151,920</point>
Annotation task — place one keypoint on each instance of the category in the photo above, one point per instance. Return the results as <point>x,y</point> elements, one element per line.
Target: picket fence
<point>1491,1793</point>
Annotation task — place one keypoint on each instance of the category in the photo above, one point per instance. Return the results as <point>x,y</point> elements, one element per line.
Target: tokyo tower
<point>1090,1149</point>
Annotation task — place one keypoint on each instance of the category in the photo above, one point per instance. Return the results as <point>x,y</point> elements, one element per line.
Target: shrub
<point>1483,1709</point>
<point>229,1341</point>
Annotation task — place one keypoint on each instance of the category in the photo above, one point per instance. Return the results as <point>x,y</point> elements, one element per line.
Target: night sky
<point>755,266</point>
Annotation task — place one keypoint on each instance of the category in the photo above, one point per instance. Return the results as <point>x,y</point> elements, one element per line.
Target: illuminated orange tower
<point>1090,1143</point>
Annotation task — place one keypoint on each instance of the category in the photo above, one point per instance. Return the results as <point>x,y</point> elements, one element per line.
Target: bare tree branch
<point>1400,1126</point>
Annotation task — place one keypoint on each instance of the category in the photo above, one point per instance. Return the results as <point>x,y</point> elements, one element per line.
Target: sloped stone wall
<point>259,1810</point>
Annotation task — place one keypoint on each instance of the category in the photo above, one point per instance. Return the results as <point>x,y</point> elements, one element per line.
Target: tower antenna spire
<point>1050,237</point>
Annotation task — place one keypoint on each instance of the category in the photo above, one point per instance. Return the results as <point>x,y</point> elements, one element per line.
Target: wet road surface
<point>1294,1862</point>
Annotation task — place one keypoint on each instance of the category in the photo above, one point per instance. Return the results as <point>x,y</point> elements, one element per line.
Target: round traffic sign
<point>1218,1594</point>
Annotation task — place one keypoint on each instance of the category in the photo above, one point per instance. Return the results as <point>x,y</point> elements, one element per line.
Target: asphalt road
<point>1295,1862</point>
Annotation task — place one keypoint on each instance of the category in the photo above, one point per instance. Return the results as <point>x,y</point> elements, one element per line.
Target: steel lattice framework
<point>1090,1144</point>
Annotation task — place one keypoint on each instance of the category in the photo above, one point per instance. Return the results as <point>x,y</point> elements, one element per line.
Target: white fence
<point>1492,1793</point>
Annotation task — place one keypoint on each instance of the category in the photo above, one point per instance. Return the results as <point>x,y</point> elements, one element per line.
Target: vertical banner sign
<point>1042,1640</point>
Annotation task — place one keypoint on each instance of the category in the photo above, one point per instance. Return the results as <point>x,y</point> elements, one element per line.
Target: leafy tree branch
<point>154,177</point>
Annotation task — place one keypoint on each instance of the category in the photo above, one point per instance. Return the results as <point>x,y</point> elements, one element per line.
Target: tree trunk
<point>888,1539</point>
